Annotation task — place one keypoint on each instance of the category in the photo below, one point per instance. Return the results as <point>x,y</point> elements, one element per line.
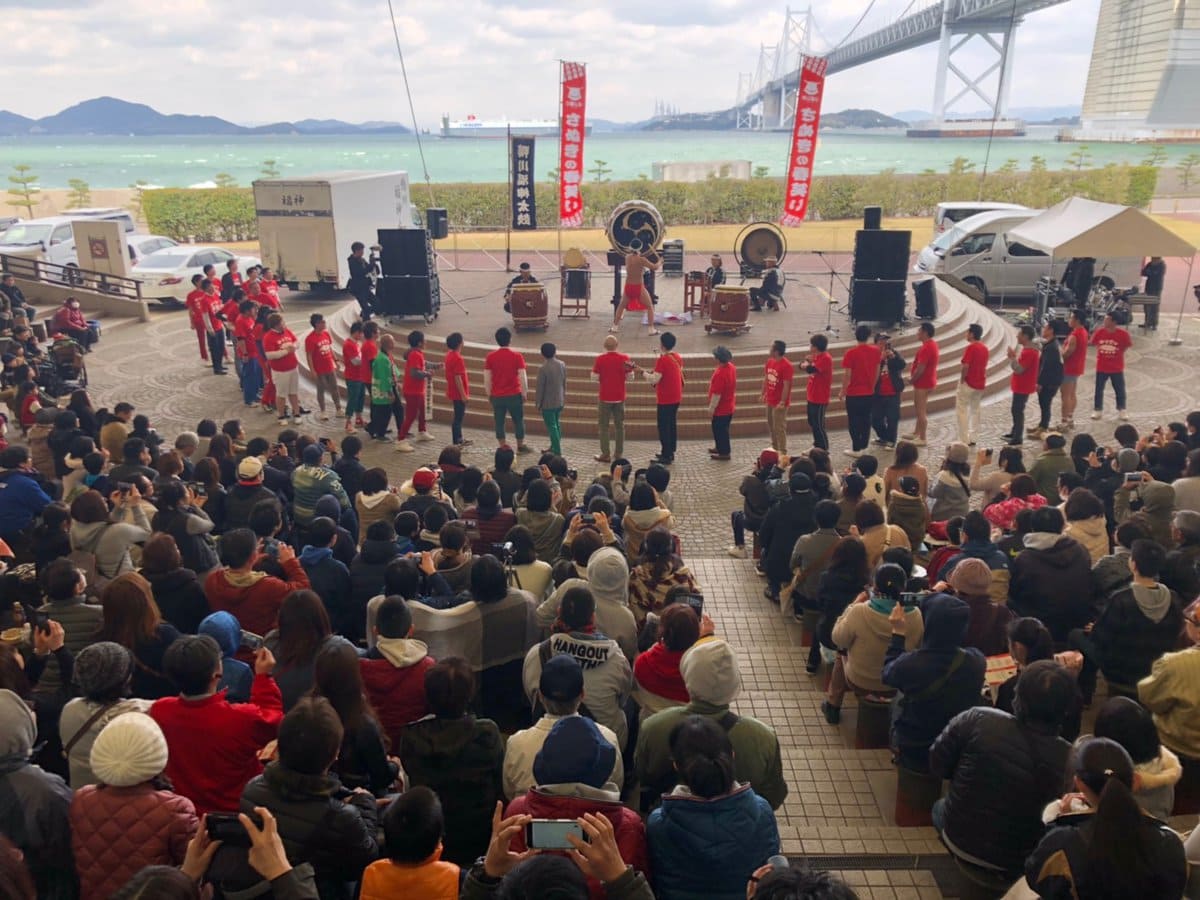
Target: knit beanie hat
<point>129,750</point>
<point>575,752</point>
<point>608,575</point>
<point>971,577</point>
<point>102,668</point>
<point>710,673</point>
<point>1128,460</point>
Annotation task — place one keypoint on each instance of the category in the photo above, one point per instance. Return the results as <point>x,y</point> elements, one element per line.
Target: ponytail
<point>708,776</point>
<point>1119,854</point>
<point>703,756</point>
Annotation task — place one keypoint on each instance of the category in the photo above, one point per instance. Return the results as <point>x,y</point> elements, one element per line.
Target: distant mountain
<point>859,118</point>
<point>109,115</point>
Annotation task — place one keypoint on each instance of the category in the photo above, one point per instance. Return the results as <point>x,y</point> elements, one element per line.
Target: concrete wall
<point>47,297</point>
<point>690,172</point>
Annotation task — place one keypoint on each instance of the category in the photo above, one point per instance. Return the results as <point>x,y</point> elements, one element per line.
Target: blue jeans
<point>252,381</point>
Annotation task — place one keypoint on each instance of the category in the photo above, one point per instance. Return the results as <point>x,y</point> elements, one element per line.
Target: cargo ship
<point>968,128</point>
<point>472,126</point>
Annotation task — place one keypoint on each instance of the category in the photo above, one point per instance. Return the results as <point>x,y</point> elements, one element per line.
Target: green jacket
<point>310,484</point>
<point>756,756</point>
<point>385,379</point>
<point>1045,471</point>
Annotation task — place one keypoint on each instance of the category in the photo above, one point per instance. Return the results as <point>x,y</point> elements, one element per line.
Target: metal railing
<point>71,276</point>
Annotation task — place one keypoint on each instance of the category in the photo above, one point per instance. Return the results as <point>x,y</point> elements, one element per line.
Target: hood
<point>946,619</point>
<point>377,553</point>
<point>1042,540</point>
<point>370,501</point>
<point>430,537</point>
<point>1157,498</point>
<point>223,628</point>
<point>448,564</point>
<point>311,555</point>
<point>84,536</point>
<point>1153,601</point>
<point>401,652</point>
<point>645,519</point>
<point>727,827</point>
<point>899,499</point>
<point>457,743</point>
<point>329,507</point>
<point>569,801</point>
<point>17,732</point>
<point>1161,772</point>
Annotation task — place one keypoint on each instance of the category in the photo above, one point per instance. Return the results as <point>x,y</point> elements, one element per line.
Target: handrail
<point>34,269</point>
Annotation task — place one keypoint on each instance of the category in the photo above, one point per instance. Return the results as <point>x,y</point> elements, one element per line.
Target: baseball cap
<point>250,469</point>
<point>424,478</point>
<point>561,679</point>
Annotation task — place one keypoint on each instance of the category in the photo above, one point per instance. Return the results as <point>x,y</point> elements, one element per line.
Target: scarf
<point>885,605</point>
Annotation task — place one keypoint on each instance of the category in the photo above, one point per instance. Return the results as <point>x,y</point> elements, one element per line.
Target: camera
<point>124,487</point>
<point>909,598</point>
<point>504,551</point>
<point>250,640</point>
<point>270,546</point>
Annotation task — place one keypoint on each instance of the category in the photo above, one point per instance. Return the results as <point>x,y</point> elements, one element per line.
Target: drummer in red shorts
<point>635,297</point>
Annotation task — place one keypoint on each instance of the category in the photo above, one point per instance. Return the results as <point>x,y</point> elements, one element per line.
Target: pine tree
<point>80,196</point>
<point>23,189</point>
<point>270,168</point>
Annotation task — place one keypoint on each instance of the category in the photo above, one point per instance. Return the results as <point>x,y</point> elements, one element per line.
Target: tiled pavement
<point>840,799</point>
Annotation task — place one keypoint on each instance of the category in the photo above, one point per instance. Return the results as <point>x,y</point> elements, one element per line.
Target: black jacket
<point>239,503</point>
<point>198,551</point>
<point>1130,638</point>
<point>938,680</point>
<point>59,440</point>
<point>318,824</point>
<point>1001,773</point>
<point>1182,571</point>
<point>1053,584</point>
<point>837,590</point>
<point>180,598</point>
<point>366,578</point>
<point>783,526</point>
<point>330,578</point>
<point>350,471</point>
<point>419,503</point>
<point>1050,365</point>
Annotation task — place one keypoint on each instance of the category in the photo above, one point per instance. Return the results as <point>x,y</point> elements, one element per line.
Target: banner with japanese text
<point>524,203</point>
<point>573,119</point>
<point>810,88</point>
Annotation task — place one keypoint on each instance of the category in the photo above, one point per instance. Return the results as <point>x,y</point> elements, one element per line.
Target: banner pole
<point>1177,340</point>
<point>511,212</point>
<point>561,125</point>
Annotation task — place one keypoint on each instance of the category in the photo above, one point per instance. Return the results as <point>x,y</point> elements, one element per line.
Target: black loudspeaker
<point>872,217</point>
<point>405,251</point>
<point>926,297</point>
<point>875,300</point>
<point>438,222</point>
<point>881,254</point>
<point>404,295</point>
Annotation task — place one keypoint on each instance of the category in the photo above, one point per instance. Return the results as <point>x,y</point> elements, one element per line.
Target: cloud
<point>267,60</point>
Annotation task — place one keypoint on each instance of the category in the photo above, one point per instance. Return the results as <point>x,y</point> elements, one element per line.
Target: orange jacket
<point>429,880</point>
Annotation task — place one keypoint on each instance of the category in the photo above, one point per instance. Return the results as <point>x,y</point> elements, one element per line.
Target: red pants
<point>414,411</point>
<point>200,336</point>
<point>268,391</point>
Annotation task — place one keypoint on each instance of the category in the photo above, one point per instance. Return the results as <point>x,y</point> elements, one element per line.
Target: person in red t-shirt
<point>819,366</point>
<point>924,380</point>
<point>196,315</point>
<point>667,380</point>
<point>370,350</point>
<point>1111,343</point>
<point>611,370</point>
<point>458,387</point>
<point>861,366</point>
<point>356,385</point>
<point>413,388</point>
<point>318,348</point>
<point>246,349</point>
<point>506,384</point>
<point>971,382</point>
<point>1023,360</point>
<point>214,329</point>
<point>776,393</point>
<point>279,347</point>
<point>1074,354</point>
<point>722,401</point>
<point>269,288</point>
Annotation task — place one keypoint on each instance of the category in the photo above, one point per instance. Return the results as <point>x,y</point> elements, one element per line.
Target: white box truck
<point>306,225</point>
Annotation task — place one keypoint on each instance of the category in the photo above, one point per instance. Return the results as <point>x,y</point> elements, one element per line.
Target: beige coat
<point>1092,534</point>
<point>865,635</point>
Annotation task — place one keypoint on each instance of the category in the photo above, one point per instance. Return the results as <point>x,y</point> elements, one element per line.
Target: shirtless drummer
<point>635,297</point>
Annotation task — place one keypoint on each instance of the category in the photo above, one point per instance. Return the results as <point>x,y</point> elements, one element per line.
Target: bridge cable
<point>1008,48</point>
<point>850,33</point>
<point>411,108</point>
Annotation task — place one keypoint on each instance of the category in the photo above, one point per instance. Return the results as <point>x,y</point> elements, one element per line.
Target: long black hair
<point>1119,855</point>
<point>703,756</point>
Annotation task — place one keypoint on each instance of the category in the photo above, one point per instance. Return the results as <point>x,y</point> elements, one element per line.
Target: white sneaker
<point>736,552</point>
<point>920,442</point>
<point>404,446</point>
<point>424,436</point>
<point>295,420</point>
<point>1097,415</point>
<point>853,454</point>
<point>1123,416</point>
<point>324,417</point>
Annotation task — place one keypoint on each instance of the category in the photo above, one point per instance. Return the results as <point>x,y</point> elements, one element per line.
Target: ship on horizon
<point>472,126</point>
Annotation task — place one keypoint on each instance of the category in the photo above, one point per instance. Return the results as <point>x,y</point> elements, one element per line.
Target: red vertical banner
<point>810,88</point>
<point>572,130</point>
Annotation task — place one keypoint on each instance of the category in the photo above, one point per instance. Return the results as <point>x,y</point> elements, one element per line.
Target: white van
<point>978,251</point>
<point>50,239</point>
<point>948,215</point>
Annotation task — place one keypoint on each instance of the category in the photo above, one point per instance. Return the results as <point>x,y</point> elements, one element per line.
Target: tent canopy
<point>1079,227</point>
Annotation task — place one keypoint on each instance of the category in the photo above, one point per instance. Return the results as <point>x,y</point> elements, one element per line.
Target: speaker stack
<point>409,283</point>
<point>880,274</point>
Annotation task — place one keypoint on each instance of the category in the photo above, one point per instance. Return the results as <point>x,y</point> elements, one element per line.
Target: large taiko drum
<point>730,309</point>
<point>529,305</point>
<point>635,226</point>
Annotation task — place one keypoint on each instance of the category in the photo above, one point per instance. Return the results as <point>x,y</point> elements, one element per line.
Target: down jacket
<point>253,598</point>
<point>732,834</point>
<point>785,524</point>
<point>1002,773</point>
<point>116,831</point>
<point>393,675</point>
<point>1051,580</point>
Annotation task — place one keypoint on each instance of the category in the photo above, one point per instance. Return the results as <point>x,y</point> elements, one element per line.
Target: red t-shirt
<point>777,374</point>
<point>885,380</point>
<point>927,355</point>
<point>319,346</point>
<point>1025,382</point>
<point>243,333</point>
<point>1110,349</point>
<point>413,363</point>
<point>370,350</point>
<point>210,305</point>
<point>456,371</point>
<point>194,304</point>
<point>975,358</point>
<point>1077,361</point>
<point>351,351</point>
<point>820,382</point>
<point>669,389</point>
<point>504,363</point>
<point>863,363</point>
<point>230,311</point>
<point>611,367</point>
<point>268,294</point>
<point>723,384</point>
<point>272,340</point>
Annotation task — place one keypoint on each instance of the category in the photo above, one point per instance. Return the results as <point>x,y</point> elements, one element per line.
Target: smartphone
<point>1133,477</point>
<point>587,519</point>
<point>471,524</point>
<point>227,828</point>
<point>197,489</point>
<point>695,601</point>
<point>909,598</point>
<point>250,640</point>
<point>124,487</point>
<point>551,834</point>
<point>41,621</point>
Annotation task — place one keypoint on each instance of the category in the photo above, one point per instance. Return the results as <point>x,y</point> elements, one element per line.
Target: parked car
<point>166,275</point>
<point>52,239</point>
<point>142,245</point>
<point>113,213</point>
<point>950,214</point>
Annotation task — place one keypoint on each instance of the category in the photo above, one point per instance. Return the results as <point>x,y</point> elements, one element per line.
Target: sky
<point>255,61</point>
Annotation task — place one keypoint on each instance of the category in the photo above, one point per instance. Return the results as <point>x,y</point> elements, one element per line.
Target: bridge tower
<point>764,99</point>
<point>996,33</point>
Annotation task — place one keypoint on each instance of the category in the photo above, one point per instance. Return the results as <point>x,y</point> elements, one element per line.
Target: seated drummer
<point>524,276</point>
<point>714,275</point>
<point>771,291</point>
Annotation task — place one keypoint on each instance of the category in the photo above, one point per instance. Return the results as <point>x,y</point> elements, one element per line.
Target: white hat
<point>710,673</point>
<point>129,750</point>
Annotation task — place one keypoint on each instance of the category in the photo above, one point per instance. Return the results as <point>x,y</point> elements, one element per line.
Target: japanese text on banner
<point>523,202</point>
<point>811,87</point>
<point>573,116</point>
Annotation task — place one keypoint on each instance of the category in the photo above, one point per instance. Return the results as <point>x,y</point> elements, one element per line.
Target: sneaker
<point>908,437</point>
<point>524,448</point>
<point>1123,416</point>
<point>853,454</point>
<point>295,420</point>
<point>465,442</point>
<point>1097,415</point>
<point>1037,432</point>
<point>424,436</point>
<point>602,457</point>
<point>920,442</point>
<point>833,714</point>
<point>404,446</point>
<point>736,552</point>
<point>324,417</point>
<point>304,412</point>
<point>283,420</point>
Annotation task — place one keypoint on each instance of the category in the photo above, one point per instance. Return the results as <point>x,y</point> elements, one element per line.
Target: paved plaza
<point>839,809</point>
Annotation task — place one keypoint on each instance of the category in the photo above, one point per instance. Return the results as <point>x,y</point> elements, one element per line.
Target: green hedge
<point>227,214</point>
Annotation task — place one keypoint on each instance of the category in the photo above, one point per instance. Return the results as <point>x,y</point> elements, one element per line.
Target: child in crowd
<point>236,676</point>
<point>412,839</point>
